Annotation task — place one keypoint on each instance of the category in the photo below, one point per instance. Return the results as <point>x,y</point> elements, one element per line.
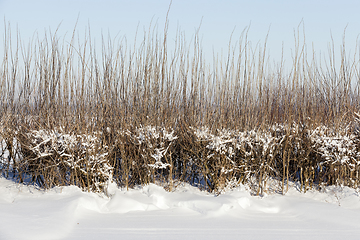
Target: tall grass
<point>71,115</point>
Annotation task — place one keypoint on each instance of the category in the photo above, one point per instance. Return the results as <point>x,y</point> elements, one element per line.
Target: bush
<point>55,158</point>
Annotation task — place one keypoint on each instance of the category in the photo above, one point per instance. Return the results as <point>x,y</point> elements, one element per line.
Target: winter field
<point>151,212</point>
<point>152,142</point>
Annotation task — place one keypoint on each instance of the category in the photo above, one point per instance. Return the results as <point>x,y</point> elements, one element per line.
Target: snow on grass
<point>150,212</point>
<point>154,142</point>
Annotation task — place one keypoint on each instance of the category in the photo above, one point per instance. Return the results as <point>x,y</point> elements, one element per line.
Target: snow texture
<point>151,212</point>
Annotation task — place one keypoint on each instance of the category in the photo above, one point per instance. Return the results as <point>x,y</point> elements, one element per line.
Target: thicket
<point>146,114</point>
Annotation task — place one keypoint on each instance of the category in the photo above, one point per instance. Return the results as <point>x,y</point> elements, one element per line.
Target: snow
<point>150,212</point>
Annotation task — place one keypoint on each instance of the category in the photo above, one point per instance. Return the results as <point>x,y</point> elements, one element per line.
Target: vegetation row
<point>73,115</point>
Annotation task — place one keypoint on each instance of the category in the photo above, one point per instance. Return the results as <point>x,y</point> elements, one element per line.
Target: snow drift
<point>153,213</point>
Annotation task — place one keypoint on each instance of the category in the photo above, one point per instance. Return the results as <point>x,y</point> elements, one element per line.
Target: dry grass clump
<point>54,158</point>
<point>144,155</point>
<point>137,115</point>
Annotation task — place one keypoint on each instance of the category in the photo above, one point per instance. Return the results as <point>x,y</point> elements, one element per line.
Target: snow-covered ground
<point>187,213</point>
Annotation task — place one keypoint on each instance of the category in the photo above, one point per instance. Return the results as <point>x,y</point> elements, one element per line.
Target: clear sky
<point>218,19</point>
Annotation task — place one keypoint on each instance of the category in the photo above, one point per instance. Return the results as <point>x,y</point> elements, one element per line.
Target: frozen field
<point>187,213</point>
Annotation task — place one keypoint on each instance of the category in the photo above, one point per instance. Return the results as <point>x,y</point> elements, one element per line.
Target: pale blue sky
<point>219,18</point>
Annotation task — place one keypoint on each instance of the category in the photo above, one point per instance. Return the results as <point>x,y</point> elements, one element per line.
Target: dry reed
<point>143,114</point>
